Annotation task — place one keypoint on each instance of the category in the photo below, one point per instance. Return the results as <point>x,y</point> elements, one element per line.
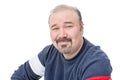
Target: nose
<point>62,33</point>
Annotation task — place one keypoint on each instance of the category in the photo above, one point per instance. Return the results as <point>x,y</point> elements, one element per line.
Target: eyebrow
<point>67,22</point>
<point>53,25</point>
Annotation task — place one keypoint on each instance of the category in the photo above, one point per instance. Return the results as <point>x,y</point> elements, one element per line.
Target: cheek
<point>76,35</point>
<point>53,36</point>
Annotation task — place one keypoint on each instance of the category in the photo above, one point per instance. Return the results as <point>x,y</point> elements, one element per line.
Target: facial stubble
<point>64,48</point>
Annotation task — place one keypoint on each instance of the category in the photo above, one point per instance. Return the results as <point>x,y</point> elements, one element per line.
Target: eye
<point>54,28</point>
<point>69,26</point>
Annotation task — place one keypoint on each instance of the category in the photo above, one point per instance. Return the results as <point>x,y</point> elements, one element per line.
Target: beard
<point>64,48</point>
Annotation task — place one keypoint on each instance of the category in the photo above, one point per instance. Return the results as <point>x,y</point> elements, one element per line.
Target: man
<point>71,56</point>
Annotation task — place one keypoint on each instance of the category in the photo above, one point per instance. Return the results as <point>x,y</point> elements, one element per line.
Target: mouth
<point>63,42</point>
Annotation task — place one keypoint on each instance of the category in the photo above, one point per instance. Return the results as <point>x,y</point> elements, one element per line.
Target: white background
<point>24,29</point>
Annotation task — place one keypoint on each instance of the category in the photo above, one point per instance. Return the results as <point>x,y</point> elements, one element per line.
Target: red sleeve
<point>100,78</point>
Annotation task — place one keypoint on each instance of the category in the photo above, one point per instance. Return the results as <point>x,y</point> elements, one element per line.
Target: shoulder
<point>94,52</point>
<point>95,62</point>
<point>47,53</point>
<point>48,50</point>
<point>95,55</point>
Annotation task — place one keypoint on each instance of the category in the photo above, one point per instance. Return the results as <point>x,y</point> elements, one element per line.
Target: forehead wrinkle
<point>68,22</point>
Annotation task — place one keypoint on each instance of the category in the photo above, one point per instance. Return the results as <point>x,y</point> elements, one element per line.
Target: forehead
<point>63,16</point>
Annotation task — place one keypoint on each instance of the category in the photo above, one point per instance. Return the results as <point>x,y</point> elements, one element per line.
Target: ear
<point>81,27</point>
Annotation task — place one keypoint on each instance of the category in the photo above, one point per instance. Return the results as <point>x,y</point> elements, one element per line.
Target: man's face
<point>65,31</point>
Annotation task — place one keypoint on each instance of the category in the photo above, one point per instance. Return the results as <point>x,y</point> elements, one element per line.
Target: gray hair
<point>61,7</point>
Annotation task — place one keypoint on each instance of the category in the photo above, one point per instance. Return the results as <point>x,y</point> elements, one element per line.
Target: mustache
<point>63,39</point>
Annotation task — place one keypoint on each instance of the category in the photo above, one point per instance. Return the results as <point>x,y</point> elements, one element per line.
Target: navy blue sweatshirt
<point>91,62</point>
